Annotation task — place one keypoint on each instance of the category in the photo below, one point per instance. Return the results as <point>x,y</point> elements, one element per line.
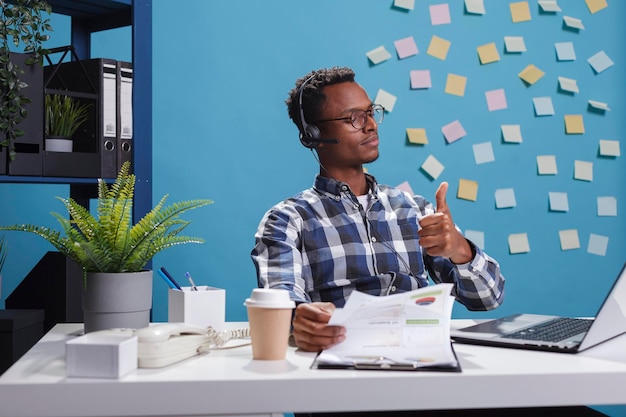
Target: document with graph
<point>405,331</point>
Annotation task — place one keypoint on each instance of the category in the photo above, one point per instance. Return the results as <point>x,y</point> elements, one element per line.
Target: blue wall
<point>222,73</point>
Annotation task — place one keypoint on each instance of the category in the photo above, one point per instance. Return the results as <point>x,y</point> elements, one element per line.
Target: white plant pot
<point>59,145</point>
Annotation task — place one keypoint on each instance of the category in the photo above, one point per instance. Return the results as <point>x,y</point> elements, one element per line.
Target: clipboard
<point>382,363</point>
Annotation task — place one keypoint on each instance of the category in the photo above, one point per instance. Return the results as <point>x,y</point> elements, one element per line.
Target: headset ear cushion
<point>310,136</point>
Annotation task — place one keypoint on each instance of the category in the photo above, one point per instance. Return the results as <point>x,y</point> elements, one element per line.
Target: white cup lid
<point>270,298</point>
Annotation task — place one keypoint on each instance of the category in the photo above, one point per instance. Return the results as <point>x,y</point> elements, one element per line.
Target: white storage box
<point>204,307</point>
<point>102,354</point>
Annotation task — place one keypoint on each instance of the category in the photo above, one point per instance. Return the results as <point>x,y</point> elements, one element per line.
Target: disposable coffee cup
<point>269,316</point>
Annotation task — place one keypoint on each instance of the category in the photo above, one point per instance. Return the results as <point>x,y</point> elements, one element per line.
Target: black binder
<point>124,113</point>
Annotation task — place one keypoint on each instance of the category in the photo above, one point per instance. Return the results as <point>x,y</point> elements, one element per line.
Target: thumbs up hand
<point>438,234</point>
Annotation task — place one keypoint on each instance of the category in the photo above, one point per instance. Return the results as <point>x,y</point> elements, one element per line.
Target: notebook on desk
<point>553,333</point>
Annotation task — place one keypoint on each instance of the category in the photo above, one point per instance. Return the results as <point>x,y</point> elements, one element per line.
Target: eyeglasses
<point>358,118</point>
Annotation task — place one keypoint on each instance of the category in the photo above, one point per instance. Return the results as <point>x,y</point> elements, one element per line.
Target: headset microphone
<point>310,135</point>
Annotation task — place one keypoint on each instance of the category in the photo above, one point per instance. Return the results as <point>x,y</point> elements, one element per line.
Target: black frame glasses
<point>358,118</point>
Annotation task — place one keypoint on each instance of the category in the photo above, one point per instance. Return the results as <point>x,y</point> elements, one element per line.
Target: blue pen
<point>170,278</point>
<point>193,284</point>
<point>166,279</point>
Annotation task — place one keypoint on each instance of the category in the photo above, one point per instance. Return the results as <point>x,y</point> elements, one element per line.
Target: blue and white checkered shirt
<point>322,244</point>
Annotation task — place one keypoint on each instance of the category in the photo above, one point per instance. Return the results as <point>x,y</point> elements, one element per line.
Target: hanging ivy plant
<point>23,23</point>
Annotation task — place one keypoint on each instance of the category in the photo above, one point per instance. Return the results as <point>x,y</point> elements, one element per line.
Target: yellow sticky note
<point>468,190</point>
<point>531,74</point>
<point>520,11</point>
<point>574,124</point>
<point>596,5</point>
<point>438,47</point>
<point>456,85</point>
<point>417,135</point>
<point>488,53</point>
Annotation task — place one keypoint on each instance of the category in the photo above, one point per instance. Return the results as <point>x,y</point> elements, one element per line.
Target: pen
<point>166,279</point>
<point>193,284</point>
<point>167,275</point>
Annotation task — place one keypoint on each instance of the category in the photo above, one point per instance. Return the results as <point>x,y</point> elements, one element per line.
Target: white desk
<point>229,382</point>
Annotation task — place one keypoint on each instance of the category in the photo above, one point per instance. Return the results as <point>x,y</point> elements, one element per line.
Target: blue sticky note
<point>558,201</point>
<point>505,198</point>
<point>565,51</point>
<point>600,62</point>
<point>543,106</point>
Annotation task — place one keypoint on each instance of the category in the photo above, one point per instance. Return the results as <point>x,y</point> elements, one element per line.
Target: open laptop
<point>553,333</point>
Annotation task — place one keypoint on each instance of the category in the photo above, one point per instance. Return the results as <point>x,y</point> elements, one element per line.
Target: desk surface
<point>230,382</point>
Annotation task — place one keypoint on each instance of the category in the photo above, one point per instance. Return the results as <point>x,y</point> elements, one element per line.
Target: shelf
<point>22,179</point>
<point>102,14</point>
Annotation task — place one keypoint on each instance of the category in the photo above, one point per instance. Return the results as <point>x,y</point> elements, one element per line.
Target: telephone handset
<point>165,343</point>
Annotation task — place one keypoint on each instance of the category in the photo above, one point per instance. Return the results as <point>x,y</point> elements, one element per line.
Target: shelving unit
<point>87,17</point>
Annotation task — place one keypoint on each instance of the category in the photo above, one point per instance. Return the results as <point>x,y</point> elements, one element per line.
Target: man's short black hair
<point>312,95</point>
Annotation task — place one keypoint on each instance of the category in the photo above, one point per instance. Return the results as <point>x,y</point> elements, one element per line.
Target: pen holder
<point>204,307</point>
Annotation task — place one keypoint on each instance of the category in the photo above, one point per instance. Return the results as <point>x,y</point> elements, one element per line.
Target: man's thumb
<point>440,196</point>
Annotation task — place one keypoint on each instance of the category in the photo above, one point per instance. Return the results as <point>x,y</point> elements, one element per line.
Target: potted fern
<point>113,253</point>
<point>63,116</point>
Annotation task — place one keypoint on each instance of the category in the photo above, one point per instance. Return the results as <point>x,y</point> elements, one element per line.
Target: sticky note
<point>476,237</point>
<point>514,44</point>
<point>598,244</point>
<point>558,201</point>
<point>453,131</point>
<point>483,153</point>
<point>505,198</point>
<point>385,99</point>
<point>573,23</point>
<point>438,48</point>
<point>600,62</point>
<point>417,135</point>
<point>543,106</point>
<point>598,105</point>
<point>420,79</point>
<point>455,85</point>
<point>520,11</point>
<point>609,147</point>
<point>569,239</point>
<point>432,167</point>
<point>475,6</point>
<point>406,47</point>
<point>511,133</point>
<point>546,165</point>
<point>406,187</point>
<point>583,170</point>
<point>607,206</point>
<point>468,190</point>
<point>488,53</point>
<point>595,6</point>
<point>574,124</point>
<point>518,243</point>
<point>404,4</point>
<point>565,51</point>
<point>568,84</point>
<point>378,55</point>
<point>531,74</point>
<point>549,6</point>
<point>496,99</point>
<point>439,14</point>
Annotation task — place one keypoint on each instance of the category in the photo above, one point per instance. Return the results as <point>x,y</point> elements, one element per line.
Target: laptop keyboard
<point>553,331</point>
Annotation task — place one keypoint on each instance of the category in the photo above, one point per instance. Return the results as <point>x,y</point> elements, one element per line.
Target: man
<point>350,233</point>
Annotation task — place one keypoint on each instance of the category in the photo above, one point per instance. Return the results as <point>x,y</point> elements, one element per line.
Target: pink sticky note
<point>496,100</point>
<point>439,14</point>
<point>453,131</point>
<point>406,47</point>
<point>420,79</point>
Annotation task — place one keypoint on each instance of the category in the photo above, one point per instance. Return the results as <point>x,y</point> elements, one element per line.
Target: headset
<point>310,135</point>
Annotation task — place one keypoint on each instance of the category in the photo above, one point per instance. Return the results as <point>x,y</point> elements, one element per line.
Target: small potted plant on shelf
<point>112,252</point>
<point>63,116</point>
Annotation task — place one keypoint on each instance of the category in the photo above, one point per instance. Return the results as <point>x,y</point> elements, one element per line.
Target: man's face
<point>356,146</point>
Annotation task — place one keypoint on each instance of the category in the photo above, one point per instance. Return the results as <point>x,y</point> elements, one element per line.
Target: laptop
<point>553,333</point>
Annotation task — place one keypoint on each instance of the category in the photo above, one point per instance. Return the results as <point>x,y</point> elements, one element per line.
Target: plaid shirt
<point>322,244</point>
